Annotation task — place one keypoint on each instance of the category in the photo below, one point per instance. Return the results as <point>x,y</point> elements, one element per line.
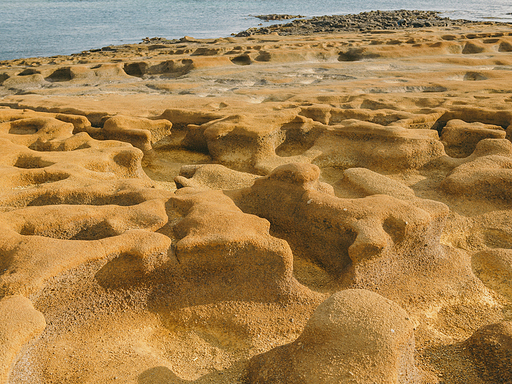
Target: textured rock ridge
<point>20,324</point>
<point>490,347</point>
<point>219,244</point>
<point>354,336</point>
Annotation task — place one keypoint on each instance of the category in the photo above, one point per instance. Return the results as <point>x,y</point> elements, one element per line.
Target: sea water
<point>30,28</point>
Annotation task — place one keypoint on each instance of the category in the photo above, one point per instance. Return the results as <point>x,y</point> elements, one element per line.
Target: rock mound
<point>229,252</point>
<point>374,20</point>
<point>354,336</point>
<point>491,348</point>
<point>20,323</point>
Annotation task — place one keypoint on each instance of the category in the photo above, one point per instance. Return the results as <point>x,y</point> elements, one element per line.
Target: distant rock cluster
<point>274,16</point>
<point>373,20</point>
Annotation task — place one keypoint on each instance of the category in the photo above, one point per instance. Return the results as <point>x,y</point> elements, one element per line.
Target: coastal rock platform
<point>320,208</point>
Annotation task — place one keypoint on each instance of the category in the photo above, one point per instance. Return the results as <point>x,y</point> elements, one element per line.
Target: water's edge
<point>43,28</point>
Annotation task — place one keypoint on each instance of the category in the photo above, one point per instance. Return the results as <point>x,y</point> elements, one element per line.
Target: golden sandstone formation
<point>331,208</point>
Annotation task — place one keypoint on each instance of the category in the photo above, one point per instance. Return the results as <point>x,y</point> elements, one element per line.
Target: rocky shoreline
<point>329,208</point>
<point>302,26</point>
<point>365,21</point>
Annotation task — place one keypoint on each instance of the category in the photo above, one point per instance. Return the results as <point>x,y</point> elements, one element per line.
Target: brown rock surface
<point>212,176</point>
<point>355,336</point>
<point>141,133</point>
<point>487,172</point>
<point>219,244</point>
<point>494,267</point>
<point>177,210</point>
<point>20,323</point>
<point>491,348</point>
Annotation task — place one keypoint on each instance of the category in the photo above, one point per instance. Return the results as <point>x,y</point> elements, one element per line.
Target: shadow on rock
<point>160,375</point>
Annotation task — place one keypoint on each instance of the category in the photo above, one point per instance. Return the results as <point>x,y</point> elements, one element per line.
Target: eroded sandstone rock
<point>491,348</point>
<point>69,199</point>
<point>230,250</point>
<point>359,191</point>
<point>19,324</point>
<point>461,138</point>
<point>141,133</point>
<point>212,176</point>
<point>292,197</point>
<point>232,273</point>
<point>354,336</point>
<point>372,183</point>
<point>378,242</point>
<point>494,267</point>
<point>486,173</point>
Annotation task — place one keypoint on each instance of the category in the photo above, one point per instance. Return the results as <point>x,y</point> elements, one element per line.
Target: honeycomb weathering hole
<point>29,162</point>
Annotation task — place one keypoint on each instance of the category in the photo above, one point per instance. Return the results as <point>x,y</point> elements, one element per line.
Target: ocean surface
<point>30,28</point>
